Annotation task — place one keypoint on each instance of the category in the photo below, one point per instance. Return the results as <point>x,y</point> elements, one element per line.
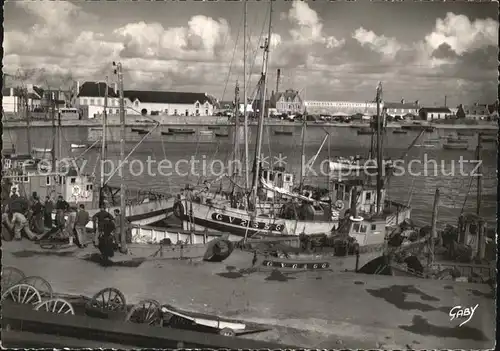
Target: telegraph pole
<point>123,240</point>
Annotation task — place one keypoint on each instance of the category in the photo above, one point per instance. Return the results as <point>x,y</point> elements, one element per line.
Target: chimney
<point>402,101</point>
<point>417,102</point>
<point>445,102</point>
<point>278,76</point>
<point>115,87</point>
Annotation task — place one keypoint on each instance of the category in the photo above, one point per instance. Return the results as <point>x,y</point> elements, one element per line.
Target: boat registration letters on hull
<point>296,265</point>
<point>245,223</point>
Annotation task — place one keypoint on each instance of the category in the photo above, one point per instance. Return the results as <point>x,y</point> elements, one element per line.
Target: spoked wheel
<point>59,306</point>
<point>10,277</point>
<point>22,293</point>
<point>227,332</point>
<point>145,312</point>
<point>109,299</point>
<point>39,284</point>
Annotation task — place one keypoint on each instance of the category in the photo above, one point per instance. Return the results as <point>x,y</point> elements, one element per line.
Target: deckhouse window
<point>374,226</point>
<point>355,227</point>
<point>73,180</point>
<point>89,187</point>
<point>368,196</point>
<point>362,229</point>
<point>47,181</point>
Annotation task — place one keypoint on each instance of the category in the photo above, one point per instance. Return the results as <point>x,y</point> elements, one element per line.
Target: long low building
<point>91,96</point>
<point>341,108</point>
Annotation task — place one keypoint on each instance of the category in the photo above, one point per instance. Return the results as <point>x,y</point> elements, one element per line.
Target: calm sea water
<point>454,186</point>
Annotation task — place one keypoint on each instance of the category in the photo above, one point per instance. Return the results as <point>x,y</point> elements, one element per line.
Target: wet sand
<point>311,309</point>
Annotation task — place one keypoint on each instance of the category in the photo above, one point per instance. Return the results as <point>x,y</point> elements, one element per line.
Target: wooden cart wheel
<point>59,306</point>
<point>145,312</point>
<point>109,299</point>
<point>22,293</point>
<point>39,284</point>
<point>227,332</point>
<point>10,277</point>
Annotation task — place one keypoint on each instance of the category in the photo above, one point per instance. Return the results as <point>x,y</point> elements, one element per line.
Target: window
<point>206,104</point>
<point>368,196</point>
<point>362,229</point>
<point>187,112</point>
<point>47,181</point>
<point>89,187</point>
<point>175,112</point>
<point>206,112</point>
<point>84,101</point>
<point>117,111</point>
<point>355,227</point>
<point>287,178</point>
<point>197,105</point>
<point>197,112</point>
<point>91,101</point>
<point>374,226</point>
<point>166,111</point>
<point>99,102</point>
<point>73,180</point>
<point>136,103</point>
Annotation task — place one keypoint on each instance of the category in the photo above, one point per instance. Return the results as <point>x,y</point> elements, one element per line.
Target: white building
<point>154,103</point>
<point>402,108</point>
<point>432,113</point>
<point>91,99</point>
<point>288,102</point>
<point>12,103</point>
<point>341,108</point>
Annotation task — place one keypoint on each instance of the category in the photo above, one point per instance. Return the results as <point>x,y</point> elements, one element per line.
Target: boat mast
<point>379,147</point>
<point>301,184</point>
<point>434,226</point>
<point>123,240</point>
<point>479,176</point>
<point>54,132</point>
<point>245,117</point>
<point>236,153</point>
<point>103,146</point>
<point>258,149</point>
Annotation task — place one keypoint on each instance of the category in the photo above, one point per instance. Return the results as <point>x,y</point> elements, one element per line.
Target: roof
<point>289,95</point>
<point>400,105</point>
<point>166,97</point>
<point>96,89</point>
<point>476,109</point>
<point>436,109</point>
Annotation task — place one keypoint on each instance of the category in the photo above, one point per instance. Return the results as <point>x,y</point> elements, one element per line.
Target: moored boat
<point>221,134</point>
<point>283,132</point>
<point>458,143</point>
<point>181,130</point>
<point>167,133</point>
<point>399,131</point>
<point>206,132</point>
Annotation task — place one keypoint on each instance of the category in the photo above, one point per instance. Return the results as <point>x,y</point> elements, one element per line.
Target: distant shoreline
<point>205,121</point>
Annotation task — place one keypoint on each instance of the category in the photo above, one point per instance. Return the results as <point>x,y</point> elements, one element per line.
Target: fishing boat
<point>430,143</point>
<point>181,130</point>
<point>429,129</point>
<point>221,134</point>
<point>365,131</point>
<point>167,133</point>
<point>68,180</point>
<point>456,143</point>
<point>283,132</point>
<point>213,127</point>
<point>399,131</point>
<point>142,132</point>
<point>137,130</point>
<point>79,146</point>
<point>206,132</point>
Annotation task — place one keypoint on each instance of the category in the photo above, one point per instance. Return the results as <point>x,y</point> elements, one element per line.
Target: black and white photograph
<point>249,174</point>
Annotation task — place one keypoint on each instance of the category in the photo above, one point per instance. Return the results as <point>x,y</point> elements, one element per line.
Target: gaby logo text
<point>462,312</point>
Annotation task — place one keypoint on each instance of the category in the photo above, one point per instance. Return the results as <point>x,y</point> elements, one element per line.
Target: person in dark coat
<point>37,215</point>
<point>47,212</point>
<point>106,242</point>
<point>99,219</point>
<point>61,207</point>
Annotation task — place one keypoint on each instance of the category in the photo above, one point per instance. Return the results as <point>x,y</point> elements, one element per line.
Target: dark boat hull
<point>279,132</point>
<point>221,135</point>
<point>181,131</point>
<point>167,133</point>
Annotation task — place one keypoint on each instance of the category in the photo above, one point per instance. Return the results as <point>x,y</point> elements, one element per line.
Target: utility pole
<point>479,175</point>
<point>54,131</point>
<point>236,155</point>
<point>379,148</point>
<point>123,239</point>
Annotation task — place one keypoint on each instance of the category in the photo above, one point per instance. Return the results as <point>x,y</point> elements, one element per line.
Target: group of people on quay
<point>31,218</point>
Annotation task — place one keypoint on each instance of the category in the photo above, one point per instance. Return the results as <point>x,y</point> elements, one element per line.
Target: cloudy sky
<point>329,51</point>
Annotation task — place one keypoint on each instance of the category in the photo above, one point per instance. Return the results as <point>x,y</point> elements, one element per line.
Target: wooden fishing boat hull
<point>282,132</point>
<point>137,130</point>
<point>142,132</point>
<point>181,131</point>
<point>221,135</point>
<point>456,146</point>
<point>239,222</point>
<point>167,133</point>
<point>213,127</point>
<point>398,131</point>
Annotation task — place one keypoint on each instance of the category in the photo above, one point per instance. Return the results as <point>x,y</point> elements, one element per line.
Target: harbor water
<point>458,188</point>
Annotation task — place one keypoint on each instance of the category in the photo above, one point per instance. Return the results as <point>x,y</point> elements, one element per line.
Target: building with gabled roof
<point>288,102</point>
<point>90,98</point>
<point>431,113</point>
<point>402,108</point>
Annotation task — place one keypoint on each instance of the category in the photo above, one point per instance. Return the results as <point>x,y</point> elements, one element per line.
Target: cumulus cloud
<point>463,35</point>
<point>387,47</point>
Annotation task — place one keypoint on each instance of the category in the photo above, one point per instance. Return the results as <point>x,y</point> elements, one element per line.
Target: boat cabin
<point>470,226</point>
<point>343,192</point>
<point>369,231</point>
<point>277,178</point>
<point>74,188</point>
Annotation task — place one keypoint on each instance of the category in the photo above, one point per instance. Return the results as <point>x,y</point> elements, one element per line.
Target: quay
<point>309,309</point>
<point>141,121</point>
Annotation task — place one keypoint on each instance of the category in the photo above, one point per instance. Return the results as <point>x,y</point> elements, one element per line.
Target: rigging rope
<point>232,59</point>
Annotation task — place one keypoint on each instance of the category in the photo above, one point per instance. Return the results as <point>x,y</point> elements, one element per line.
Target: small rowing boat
<point>181,130</point>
